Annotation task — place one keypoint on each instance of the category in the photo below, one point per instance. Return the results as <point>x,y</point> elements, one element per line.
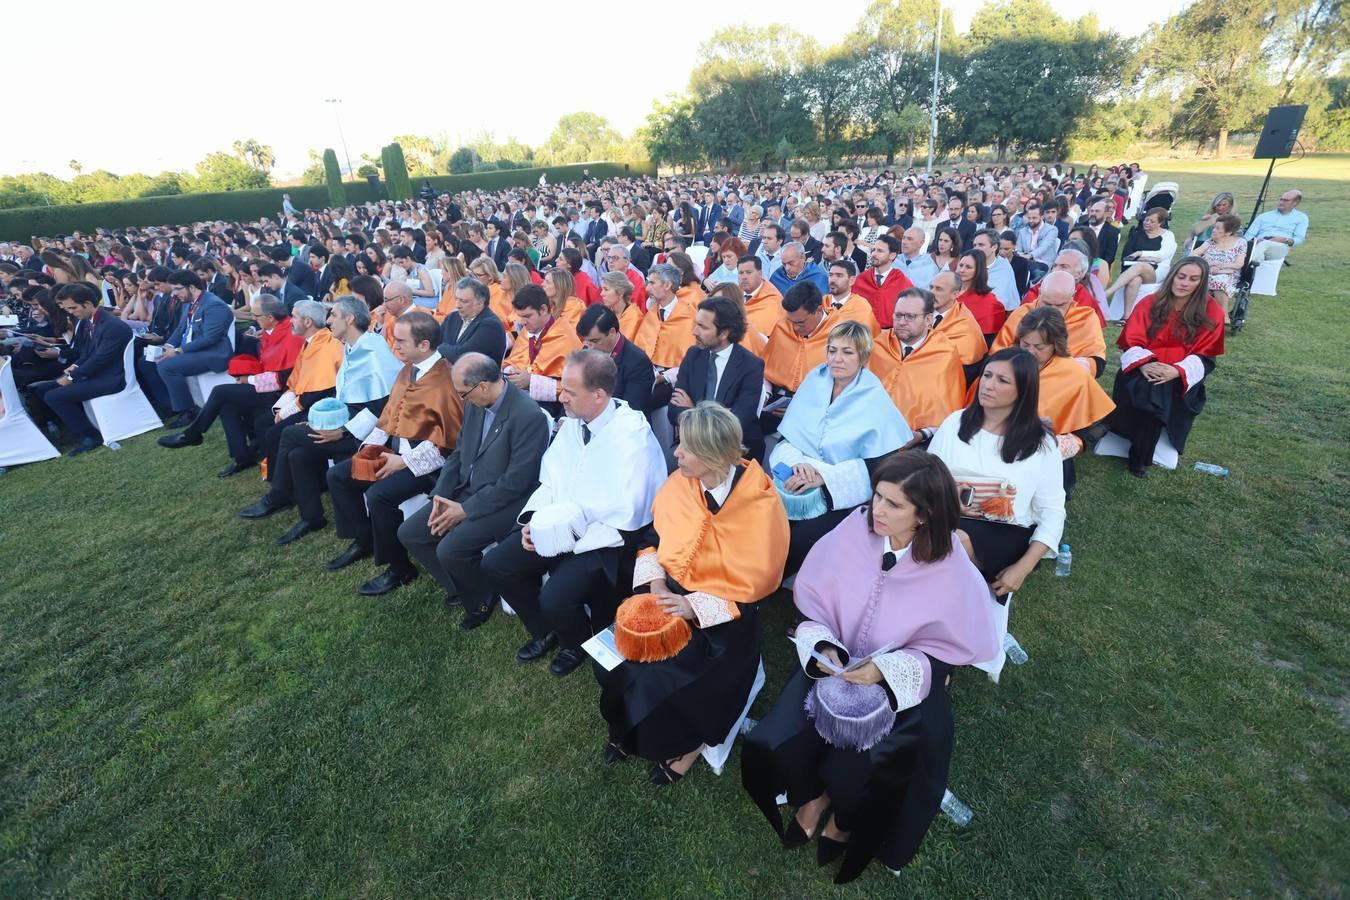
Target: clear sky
<point>163,84</point>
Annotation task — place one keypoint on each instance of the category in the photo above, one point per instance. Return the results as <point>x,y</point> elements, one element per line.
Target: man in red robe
<point>882,283</point>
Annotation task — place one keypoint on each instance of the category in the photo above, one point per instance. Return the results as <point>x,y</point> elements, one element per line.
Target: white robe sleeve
<point>908,676</point>
<point>810,635</point>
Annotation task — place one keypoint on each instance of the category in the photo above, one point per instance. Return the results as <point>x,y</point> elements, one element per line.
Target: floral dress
<point>1224,282</point>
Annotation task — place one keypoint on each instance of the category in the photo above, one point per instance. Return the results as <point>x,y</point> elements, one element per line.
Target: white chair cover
<point>1266,277</point>
<point>1115,308</point>
<point>1112,444</point>
<point>699,254</point>
<point>20,440</point>
<point>200,385</point>
<point>717,756</point>
<point>126,413</point>
<point>995,666</point>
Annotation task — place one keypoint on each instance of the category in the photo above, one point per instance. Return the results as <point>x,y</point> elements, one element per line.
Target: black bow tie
<point>713,505</point>
<point>888,560</point>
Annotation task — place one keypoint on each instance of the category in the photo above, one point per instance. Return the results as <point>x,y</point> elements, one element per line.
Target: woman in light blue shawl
<point>840,421</point>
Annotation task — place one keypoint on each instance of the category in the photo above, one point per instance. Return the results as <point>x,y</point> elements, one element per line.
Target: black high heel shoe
<point>828,850</point>
<point>796,836</point>
<point>663,775</point>
<point>614,753</point>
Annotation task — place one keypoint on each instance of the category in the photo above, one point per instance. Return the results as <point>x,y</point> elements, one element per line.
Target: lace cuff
<point>808,635</point>
<point>710,610</point>
<point>1070,445</point>
<point>904,675</point>
<point>647,569</point>
<point>423,459</point>
<point>847,482</point>
<point>1134,357</point>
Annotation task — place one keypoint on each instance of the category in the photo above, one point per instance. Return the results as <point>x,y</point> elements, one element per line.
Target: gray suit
<point>491,475</point>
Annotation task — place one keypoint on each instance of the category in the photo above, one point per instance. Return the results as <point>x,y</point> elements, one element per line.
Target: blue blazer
<point>211,324</point>
<point>100,356</point>
<point>738,389</point>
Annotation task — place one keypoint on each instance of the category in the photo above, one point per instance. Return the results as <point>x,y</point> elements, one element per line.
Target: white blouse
<point>1039,479</point>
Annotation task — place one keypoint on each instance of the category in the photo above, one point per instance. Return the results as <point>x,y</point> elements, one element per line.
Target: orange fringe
<point>645,632</point>
<point>998,507</point>
<point>367,462</point>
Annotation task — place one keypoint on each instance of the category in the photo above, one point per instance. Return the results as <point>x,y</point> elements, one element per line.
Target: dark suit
<point>484,335</point>
<point>965,229</point>
<point>639,258</point>
<point>303,277</point>
<point>708,218</point>
<point>497,249</point>
<point>325,283</point>
<point>98,347</point>
<point>636,376</point>
<point>1108,240</point>
<point>738,389</point>
<point>491,476</point>
<point>300,473</point>
<point>291,294</point>
<point>813,248</point>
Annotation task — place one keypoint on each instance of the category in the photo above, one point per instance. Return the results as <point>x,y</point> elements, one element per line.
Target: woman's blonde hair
<point>857,334</point>
<point>454,268</point>
<point>619,284</point>
<point>485,265</point>
<point>514,277</point>
<point>713,434</point>
<point>564,285</point>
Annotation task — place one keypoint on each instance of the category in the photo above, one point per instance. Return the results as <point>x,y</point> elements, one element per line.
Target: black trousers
<point>147,373</point>
<point>241,410</point>
<point>302,466</point>
<point>575,580</point>
<point>1142,429</point>
<point>367,511</point>
<point>455,559</point>
<point>804,533</point>
<point>269,447</point>
<point>67,401</point>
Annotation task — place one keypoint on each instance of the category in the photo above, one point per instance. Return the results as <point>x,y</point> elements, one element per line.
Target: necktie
<point>888,560</point>
<point>533,346</point>
<point>713,505</point>
<point>412,379</point>
<point>905,352</point>
<point>585,433</point>
<point>937,319</point>
<point>710,388</point>
<point>662,313</point>
<point>838,304</point>
<point>881,278</point>
<point>748,296</point>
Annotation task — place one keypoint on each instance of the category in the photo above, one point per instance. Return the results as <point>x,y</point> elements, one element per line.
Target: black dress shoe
<point>567,661</point>
<point>475,617</point>
<point>263,508</point>
<point>298,530</point>
<point>385,582</point>
<point>828,850</point>
<point>187,438</point>
<point>1139,473</point>
<point>84,446</point>
<point>536,648</point>
<point>352,554</point>
<point>234,468</point>
<point>614,753</point>
<point>182,420</point>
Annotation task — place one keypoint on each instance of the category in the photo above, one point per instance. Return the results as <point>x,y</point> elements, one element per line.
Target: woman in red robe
<point>977,296</point>
<point>1168,346</point>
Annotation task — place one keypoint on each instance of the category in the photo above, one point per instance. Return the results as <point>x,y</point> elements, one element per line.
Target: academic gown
<point>928,386</point>
<point>667,342</point>
<point>853,309</point>
<point>987,310</point>
<point>964,332</point>
<point>1085,332</point>
<point>788,357</point>
<point>763,310</point>
<point>937,616</point>
<point>724,563</point>
<point>1082,296</point>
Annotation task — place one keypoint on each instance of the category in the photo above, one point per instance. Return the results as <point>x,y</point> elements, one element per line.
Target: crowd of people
<point>632,410</point>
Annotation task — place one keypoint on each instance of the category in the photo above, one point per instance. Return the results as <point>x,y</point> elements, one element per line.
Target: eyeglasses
<point>910,317</point>
<point>464,395</point>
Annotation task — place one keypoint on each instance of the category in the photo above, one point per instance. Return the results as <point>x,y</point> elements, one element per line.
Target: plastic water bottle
<point>113,445</point>
<point>1064,561</point>
<point>958,812</point>
<point>1016,655</point>
<point>1211,469</point>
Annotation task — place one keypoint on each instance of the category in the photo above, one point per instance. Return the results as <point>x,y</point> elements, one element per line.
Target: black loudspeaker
<point>1280,132</point>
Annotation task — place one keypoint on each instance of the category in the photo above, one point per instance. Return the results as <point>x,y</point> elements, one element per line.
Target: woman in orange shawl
<point>1069,396</point>
<point>716,547</point>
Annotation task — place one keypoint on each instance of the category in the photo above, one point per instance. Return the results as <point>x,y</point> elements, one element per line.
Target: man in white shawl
<point>840,421</point>
<point>597,482</point>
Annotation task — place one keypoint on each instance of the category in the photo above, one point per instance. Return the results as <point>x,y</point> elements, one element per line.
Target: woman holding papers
<point>715,548</point>
<point>861,737</point>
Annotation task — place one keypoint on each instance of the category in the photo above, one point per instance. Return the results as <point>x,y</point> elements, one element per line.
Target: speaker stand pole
<point>1261,197</point>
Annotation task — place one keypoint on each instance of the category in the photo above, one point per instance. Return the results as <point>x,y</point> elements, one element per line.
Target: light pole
<point>937,59</point>
<point>337,114</point>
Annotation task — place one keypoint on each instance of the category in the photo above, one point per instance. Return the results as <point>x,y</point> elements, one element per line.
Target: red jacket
<point>883,296</point>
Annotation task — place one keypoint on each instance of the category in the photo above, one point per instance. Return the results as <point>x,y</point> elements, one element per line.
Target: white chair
<point>1266,277</point>
<point>200,385</point>
<point>1115,308</point>
<point>413,504</point>
<point>995,666</point>
<point>698,253</point>
<point>126,413</point>
<point>1112,444</point>
<point>20,440</point>
<point>436,277</point>
<point>717,756</point>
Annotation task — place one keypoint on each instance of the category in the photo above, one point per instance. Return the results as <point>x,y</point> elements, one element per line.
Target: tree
<point>75,166</point>
<point>396,180</point>
<point>580,137</point>
<point>223,172</point>
<point>425,156</point>
<point>671,135</point>
<point>337,191</point>
<point>1312,38</point>
<point>314,172</point>
<point>256,155</point>
<point>462,161</point>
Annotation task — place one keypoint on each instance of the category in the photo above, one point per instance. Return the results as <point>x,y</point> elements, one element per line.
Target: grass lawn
<point>189,710</point>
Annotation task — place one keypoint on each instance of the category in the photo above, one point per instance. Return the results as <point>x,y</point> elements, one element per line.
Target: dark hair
<point>264,271</point>
<point>80,292</point>
<point>1089,239</point>
<point>319,250</point>
<point>1194,316</point>
<point>480,290</point>
<point>979,282</point>
<point>890,241</point>
<point>368,288</point>
<point>158,273</point>
<point>1049,322</point>
<point>531,296</point>
<point>597,316</point>
<point>422,327</point>
<point>727,316</point>
<point>187,279</point>
<point>753,260</point>
<point>928,297</point>
<point>802,295</point>
<point>572,256</point>
<point>928,484</point>
<point>401,252</point>
<point>955,238</point>
<point>598,372</point>
<point>846,264</point>
<point>1025,432</point>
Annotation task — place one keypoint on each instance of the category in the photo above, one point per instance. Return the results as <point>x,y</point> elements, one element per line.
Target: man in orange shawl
<point>416,431</point>
<point>842,305</point>
<point>919,367</point>
<point>763,302</point>
<point>1076,264</point>
<point>1087,345</point>
<point>398,299</point>
<point>536,360</point>
<point>951,318</point>
<point>667,330</point>
<point>797,343</point>
<point>716,547</point>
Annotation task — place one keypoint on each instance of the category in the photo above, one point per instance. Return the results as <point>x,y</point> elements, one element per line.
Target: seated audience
<point>714,549</point>
<point>1225,251</point>
<point>416,430</point>
<point>951,318</point>
<point>616,293</point>
<point>883,281</point>
<point>482,487</point>
<point>797,268</point>
<point>719,367</point>
<point>1169,344</point>
<point>976,295</point>
<point>842,305</point>
<point>535,363</point>
<point>200,343</point>
<point>897,577</point>
<point>797,343</point>
<point>1057,291</point>
<point>1147,253</point>
<point>473,327</point>
<point>763,302</point>
<point>576,523</point>
<point>917,265</point>
<point>840,423</point>
<point>561,292</point>
<point>1007,461</point>
<point>599,330</point>
<point>1277,231</point>
<point>667,330</point>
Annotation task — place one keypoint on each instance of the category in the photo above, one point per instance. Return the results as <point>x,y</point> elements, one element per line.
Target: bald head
<point>946,287</point>
<point>911,244</point>
<point>1057,289</point>
<point>397,297</point>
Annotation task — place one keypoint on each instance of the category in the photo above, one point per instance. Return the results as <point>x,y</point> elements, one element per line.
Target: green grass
<point>188,710</point>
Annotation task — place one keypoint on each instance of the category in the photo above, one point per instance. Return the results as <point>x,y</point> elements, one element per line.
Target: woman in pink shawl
<point>894,576</point>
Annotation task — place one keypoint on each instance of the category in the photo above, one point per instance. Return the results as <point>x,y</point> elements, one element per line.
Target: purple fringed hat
<point>850,716</point>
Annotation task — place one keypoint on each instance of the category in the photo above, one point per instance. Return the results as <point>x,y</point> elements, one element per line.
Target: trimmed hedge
<point>21,223</point>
